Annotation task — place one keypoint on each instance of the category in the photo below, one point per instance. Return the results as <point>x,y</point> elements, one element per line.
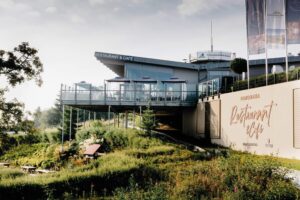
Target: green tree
<point>16,66</point>
<point>148,120</point>
<point>238,65</point>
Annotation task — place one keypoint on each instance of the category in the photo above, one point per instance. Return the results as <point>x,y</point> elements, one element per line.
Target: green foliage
<point>238,65</point>
<point>148,121</point>
<point>35,154</point>
<point>48,118</point>
<point>50,136</point>
<point>94,128</point>
<point>17,66</point>
<point>259,81</point>
<point>143,167</point>
<point>10,173</point>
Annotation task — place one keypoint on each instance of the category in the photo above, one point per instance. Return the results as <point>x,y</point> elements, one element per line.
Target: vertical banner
<point>275,24</point>
<point>293,21</point>
<point>255,11</point>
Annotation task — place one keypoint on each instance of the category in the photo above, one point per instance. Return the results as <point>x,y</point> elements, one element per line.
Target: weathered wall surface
<point>262,120</point>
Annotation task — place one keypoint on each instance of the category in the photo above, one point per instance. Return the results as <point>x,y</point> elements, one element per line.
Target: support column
<point>118,120</point>
<point>94,116</point>
<point>126,119</point>
<point>70,127</point>
<point>133,120</point>
<point>108,117</point>
<point>84,117</point>
<point>77,113</point>
<point>62,129</point>
<point>140,116</point>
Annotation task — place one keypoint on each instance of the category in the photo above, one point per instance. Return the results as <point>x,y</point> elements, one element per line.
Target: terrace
<point>129,93</point>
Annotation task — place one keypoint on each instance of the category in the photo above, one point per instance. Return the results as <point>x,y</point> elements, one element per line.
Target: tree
<point>238,65</point>
<point>17,66</point>
<point>148,121</point>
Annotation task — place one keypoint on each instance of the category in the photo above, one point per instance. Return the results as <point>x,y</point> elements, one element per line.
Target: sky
<point>68,32</point>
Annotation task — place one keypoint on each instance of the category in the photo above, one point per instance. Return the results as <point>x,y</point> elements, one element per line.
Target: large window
<point>134,71</point>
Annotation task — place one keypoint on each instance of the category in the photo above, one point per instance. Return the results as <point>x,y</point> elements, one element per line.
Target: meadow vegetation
<point>139,166</point>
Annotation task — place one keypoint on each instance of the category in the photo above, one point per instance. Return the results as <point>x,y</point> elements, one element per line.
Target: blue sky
<point>68,32</point>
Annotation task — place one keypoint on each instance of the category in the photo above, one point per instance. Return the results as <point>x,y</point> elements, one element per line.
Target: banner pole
<point>248,68</point>
<point>286,45</point>
<point>266,42</point>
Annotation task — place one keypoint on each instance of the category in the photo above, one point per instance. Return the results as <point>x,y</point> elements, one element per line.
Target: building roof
<point>92,149</point>
<point>116,62</point>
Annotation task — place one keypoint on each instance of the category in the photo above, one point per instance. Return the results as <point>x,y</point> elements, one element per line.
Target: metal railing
<point>209,88</point>
<point>129,94</point>
<point>213,87</point>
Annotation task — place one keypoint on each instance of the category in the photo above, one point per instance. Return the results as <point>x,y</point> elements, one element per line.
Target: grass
<point>290,163</point>
<point>141,167</point>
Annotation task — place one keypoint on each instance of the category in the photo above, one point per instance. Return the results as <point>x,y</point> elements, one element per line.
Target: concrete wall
<point>204,121</point>
<point>264,120</point>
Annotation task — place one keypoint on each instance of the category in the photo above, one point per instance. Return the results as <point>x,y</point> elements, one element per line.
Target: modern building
<point>176,91</point>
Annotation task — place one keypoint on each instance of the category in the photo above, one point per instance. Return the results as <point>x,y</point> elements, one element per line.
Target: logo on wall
<point>253,120</point>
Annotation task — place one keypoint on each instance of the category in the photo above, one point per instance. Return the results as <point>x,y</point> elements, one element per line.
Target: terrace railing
<point>130,94</point>
<point>213,87</point>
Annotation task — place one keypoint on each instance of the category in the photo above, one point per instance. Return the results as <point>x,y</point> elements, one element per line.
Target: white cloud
<point>76,19</point>
<point>96,2</point>
<point>116,9</point>
<point>6,4</point>
<point>51,9</point>
<point>191,7</point>
<point>34,13</point>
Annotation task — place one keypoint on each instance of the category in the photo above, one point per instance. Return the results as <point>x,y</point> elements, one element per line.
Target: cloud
<point>76,19</point>
<point>6,4</point>
<point>51,9</point>
<point>192,7</point>
<point>34,13</point>
<point>96,2</point>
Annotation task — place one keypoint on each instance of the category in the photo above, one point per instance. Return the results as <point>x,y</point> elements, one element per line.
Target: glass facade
<point>134,72</point>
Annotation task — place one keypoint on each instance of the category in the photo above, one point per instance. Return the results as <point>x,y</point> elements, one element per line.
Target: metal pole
<point>108,115</point>
<point>94,116</point>
<point>126,119</point>
<point>133,120</point>
<point>77,124</point>
<point>84,117</point>
<point>89,115</point>
<point>140,116</point>
<point>62,129</point>
<point>248,68</point>
<point>75,93</point>
<point>70,127</point>
<point>266,44</point>
<point>286,45</point>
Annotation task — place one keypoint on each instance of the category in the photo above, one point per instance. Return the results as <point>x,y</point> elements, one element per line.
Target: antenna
<point>211,37</point>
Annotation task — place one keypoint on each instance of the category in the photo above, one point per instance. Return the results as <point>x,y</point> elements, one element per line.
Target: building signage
<point>115,56</point>
<point>254,120</point>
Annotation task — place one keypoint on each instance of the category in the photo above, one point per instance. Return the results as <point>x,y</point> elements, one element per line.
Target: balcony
<point>131,93</point>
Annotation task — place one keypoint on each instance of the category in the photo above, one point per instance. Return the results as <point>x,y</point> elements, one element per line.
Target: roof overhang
<point>116,62</point>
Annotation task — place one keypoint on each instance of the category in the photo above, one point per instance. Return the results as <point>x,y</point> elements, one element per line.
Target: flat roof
<point>115,61</point>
